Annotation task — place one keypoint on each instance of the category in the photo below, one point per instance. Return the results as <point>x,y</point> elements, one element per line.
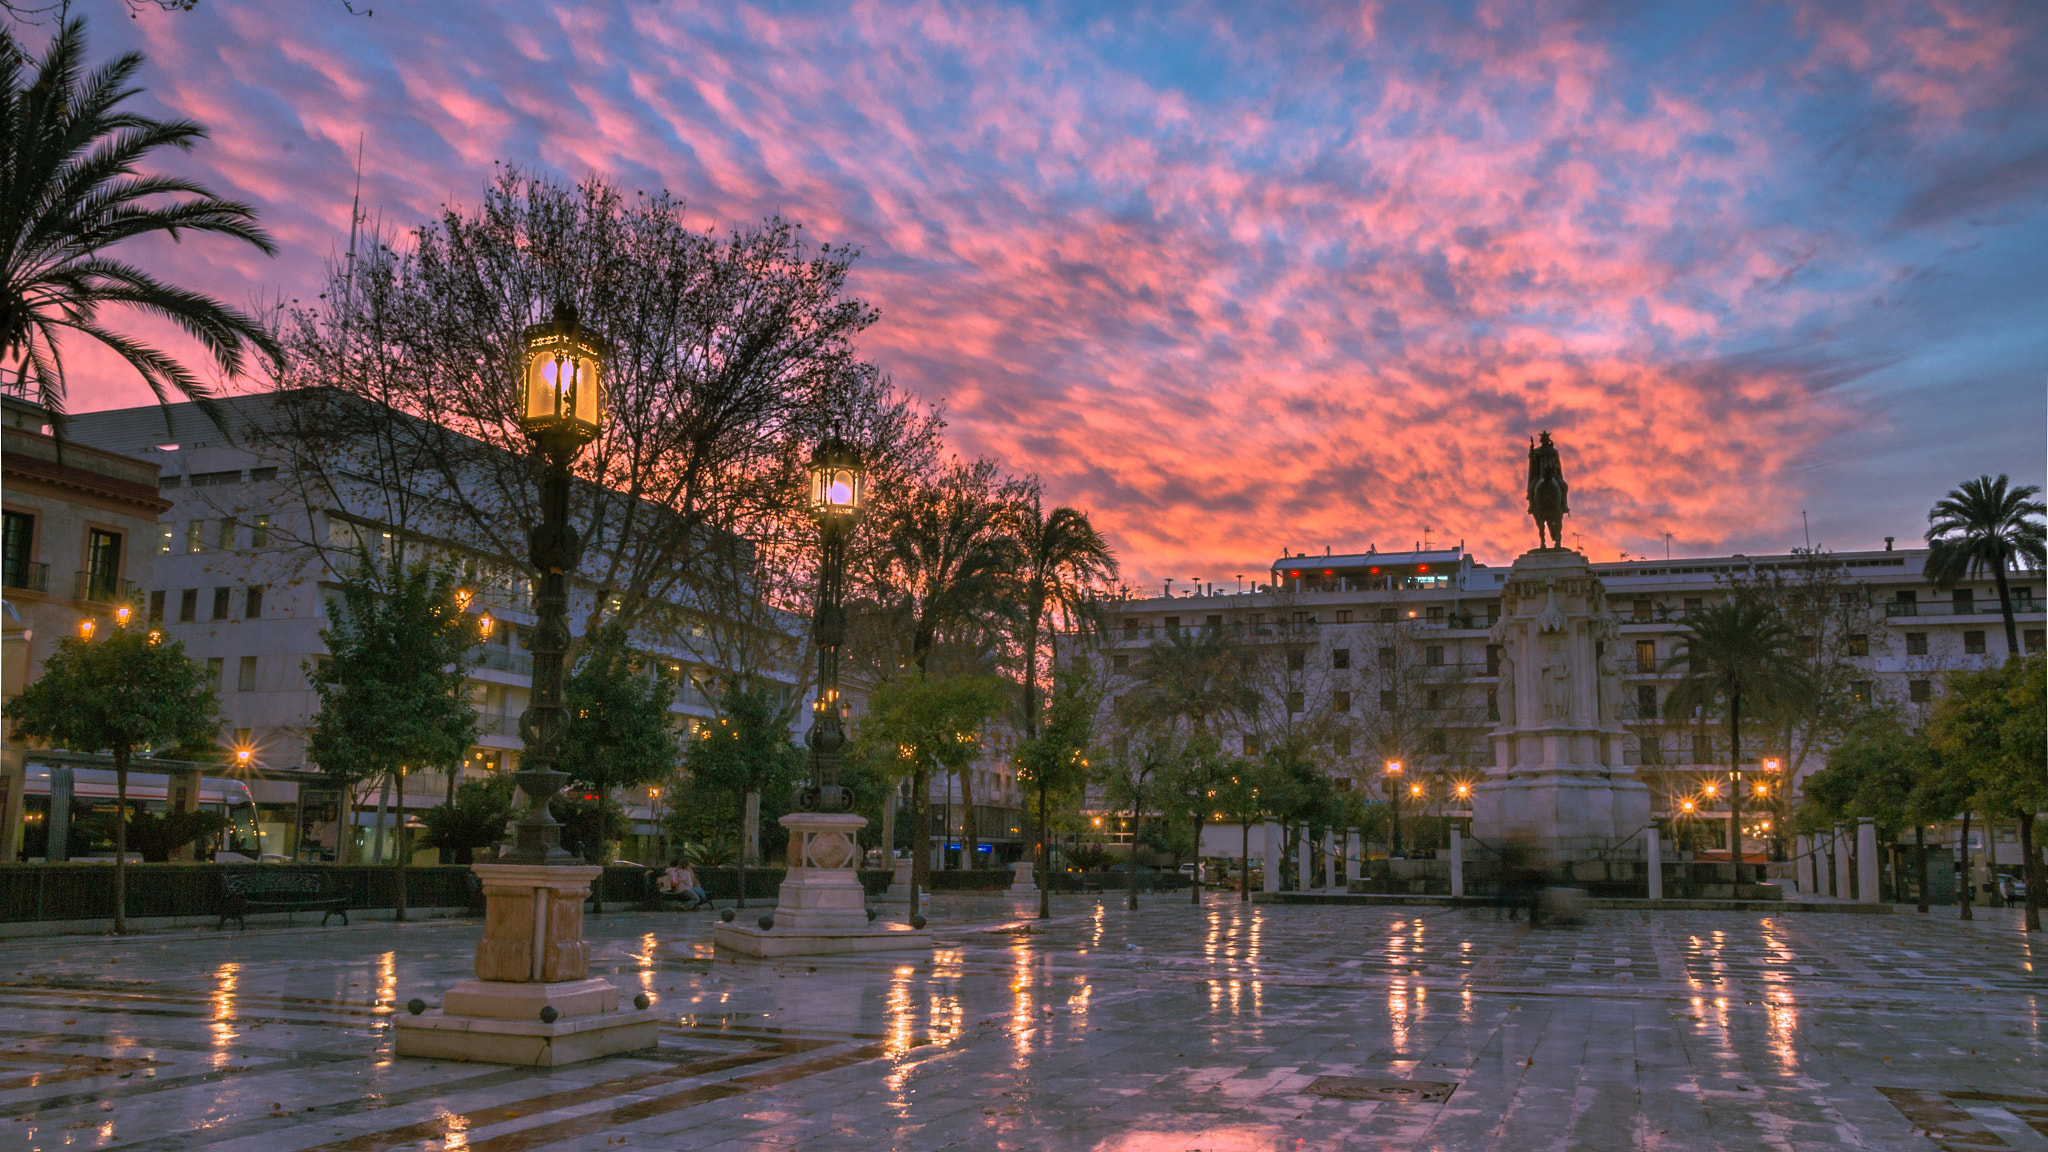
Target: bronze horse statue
<point>1549,495</point>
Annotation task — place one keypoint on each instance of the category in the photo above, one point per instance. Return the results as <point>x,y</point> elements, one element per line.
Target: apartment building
<point>1388,656</point>
<point>80,527</point>
<point>246,565</point>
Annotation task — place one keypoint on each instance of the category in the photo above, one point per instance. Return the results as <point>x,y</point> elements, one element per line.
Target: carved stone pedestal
<point>1020,879</point>
<point>534,1001</point>
<point>821,908</point>
<point>1559,797</point>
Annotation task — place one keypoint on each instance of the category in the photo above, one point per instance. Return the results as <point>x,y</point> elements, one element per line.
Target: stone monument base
<point>1021,883</point>
<point>435,1035</point>
<point>821,908</point>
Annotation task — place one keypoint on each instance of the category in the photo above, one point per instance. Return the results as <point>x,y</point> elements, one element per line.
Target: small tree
<point>127,692</point>
<point>618,734</point>
<point>1991,723</point>
<point>474,819</point>
<point>391,698</point>
<point>1056,760</point>
<point>745,752</point>
<point>929,722</point>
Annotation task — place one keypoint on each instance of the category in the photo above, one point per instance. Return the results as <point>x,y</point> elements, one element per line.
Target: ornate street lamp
<point>560,390</point>
<point>838,496</point>
<point>1393,791</point>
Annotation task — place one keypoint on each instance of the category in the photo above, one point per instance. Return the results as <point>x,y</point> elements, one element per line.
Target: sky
<point>1242,279</point>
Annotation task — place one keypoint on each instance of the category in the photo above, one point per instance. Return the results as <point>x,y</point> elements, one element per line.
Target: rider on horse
<point>1548,493</point>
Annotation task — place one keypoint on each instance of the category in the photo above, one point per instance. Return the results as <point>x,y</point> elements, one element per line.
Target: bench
<point>245,892</point>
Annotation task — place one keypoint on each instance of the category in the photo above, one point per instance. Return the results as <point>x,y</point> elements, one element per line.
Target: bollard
<point>1655,848</point>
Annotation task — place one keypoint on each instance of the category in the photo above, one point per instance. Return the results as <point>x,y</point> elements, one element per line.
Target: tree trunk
<point>398,910</point>
<point>1993,898</point>
<point>1735,782</point>
<point>969,850</point>
<point>1044,858</point>
<point>120,840</point>
<point>1920,863</point>
<point>2035,874</point>
<point>920,839</point>
<point>2012,635</point>
<point>1966,886</point>
<point>383,813</point>
<point>1195,877</point>
<point>889,825</point>
<point>750,827</point>
<point>1131,889</point>
<point>1244,864</point>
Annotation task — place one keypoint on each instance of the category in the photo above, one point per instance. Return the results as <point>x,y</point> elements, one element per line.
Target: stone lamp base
<point>821,908</point>
<point>535,1002</point>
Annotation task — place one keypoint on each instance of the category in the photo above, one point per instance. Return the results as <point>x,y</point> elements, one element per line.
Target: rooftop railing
<point>2021,606</point>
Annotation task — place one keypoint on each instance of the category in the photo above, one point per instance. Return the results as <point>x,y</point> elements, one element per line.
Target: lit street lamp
<point>1393,791</point>
<point>838,495</point>
<point>561,395</point>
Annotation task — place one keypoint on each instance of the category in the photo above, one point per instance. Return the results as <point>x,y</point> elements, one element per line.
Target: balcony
<point>100,588</point>
<point>2021,606</point>
<point>498,724</point>
<point>502,659</point>
<point>28,576</point>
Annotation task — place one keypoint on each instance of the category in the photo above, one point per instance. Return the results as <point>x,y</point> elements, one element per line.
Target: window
<point>1643,609</point>
<point>156,607</point>
<point>18,546</point>
<point>1131,627</point>
<point>166,536</point>
<point>1646,656</point>
<point>1386,656</point>
<point>245,676</point>
<point>1849,598</point>
<point>166,482</point>
<point>215,667</point>
<point>1433,700</point>
<point>1920,691</point>
<point>188,605</point>
<point>1646,702</point>
<point>2034,639</point>
<point>1859,644</point>
<point>1386,615</point>
<point>1433,655</point>
<point>1340,701</point>
<point>1212,623</point>
<point>1296,702</point>
<point>1916,643</point>
<point>1341,744</point>
<point>1303,618</point>
<point>221,596</point>
<point>216,479</point>
<point>1973,643</point>
<point>1251,745</point>
<point>252,603</point>
<point>1493,659</point>
<point>259,475</point>
<point>1340,658</point>
<point>195,536</point>
<point>259,531</point>
<point>1493,703</point>
<point>1966,601</point>
<point>1386,699</point>
<point>1860,691</point>
<point>1343,615</point>
<point>1436,613</point>
<point>1172,624</point>
<point>1297,659</point>
<point>225,541</point>
<point>1120,662</point>
<point>1695,604</point>
<point>102,565</point>
<point>2023,600</point>
<point>1653,749</point>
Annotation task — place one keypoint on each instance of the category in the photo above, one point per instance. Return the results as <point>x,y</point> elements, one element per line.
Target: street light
<point>85,627</point>
<point>121,615</point>
<point>560,394</point>
<point>838,496</point>
<point>1393,791</point>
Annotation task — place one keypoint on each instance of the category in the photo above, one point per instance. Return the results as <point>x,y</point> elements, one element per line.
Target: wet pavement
<point>1223,1028</point>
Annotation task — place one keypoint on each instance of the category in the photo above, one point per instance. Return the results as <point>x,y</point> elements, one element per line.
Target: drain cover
<point>1363,1088</point>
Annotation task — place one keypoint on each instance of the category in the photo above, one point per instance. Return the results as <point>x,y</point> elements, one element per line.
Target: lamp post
<point>1393,790</point>
<point>561,393</point>
<point>838,495</point>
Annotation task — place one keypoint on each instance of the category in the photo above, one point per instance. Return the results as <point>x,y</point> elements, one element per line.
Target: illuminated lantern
<point>838,483</point>
<point>562,379</point>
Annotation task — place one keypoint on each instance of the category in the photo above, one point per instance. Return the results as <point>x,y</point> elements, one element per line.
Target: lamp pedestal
<point>534,1001</point>
<point>821,908</point>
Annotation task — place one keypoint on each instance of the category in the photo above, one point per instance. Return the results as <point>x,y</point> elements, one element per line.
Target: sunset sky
<point>1244,277</point>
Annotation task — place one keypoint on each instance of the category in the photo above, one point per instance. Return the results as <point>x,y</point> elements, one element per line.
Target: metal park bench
<point>245,892</point>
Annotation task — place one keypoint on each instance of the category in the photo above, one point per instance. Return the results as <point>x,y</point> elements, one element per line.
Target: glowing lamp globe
<point>562,379</point>
<point>838,482</point>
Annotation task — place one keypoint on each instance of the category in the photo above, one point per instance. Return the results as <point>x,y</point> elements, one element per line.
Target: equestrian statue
<point>1548,492</point>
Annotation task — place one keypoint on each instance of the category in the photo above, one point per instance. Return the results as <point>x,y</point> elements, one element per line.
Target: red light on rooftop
<point>1375,571</point>
<point>1296,572</point>
<point>1423,568</point>
<point>1328,572</point>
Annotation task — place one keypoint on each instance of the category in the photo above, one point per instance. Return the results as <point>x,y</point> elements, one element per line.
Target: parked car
<point>2011,888</point>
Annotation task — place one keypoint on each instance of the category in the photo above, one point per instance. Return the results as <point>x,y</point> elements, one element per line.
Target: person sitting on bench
<point>681,881</point>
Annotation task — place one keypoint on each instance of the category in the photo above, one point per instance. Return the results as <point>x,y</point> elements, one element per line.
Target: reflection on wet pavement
<point>1219,1027</point>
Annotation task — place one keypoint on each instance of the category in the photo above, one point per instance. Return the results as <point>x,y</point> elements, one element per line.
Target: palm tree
<point>1188,678</point>
<point>1984,524</point>
<point>1735,653</point>
<point>69,190</point>
<point>948,567</point>
<point>1064,559</point>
